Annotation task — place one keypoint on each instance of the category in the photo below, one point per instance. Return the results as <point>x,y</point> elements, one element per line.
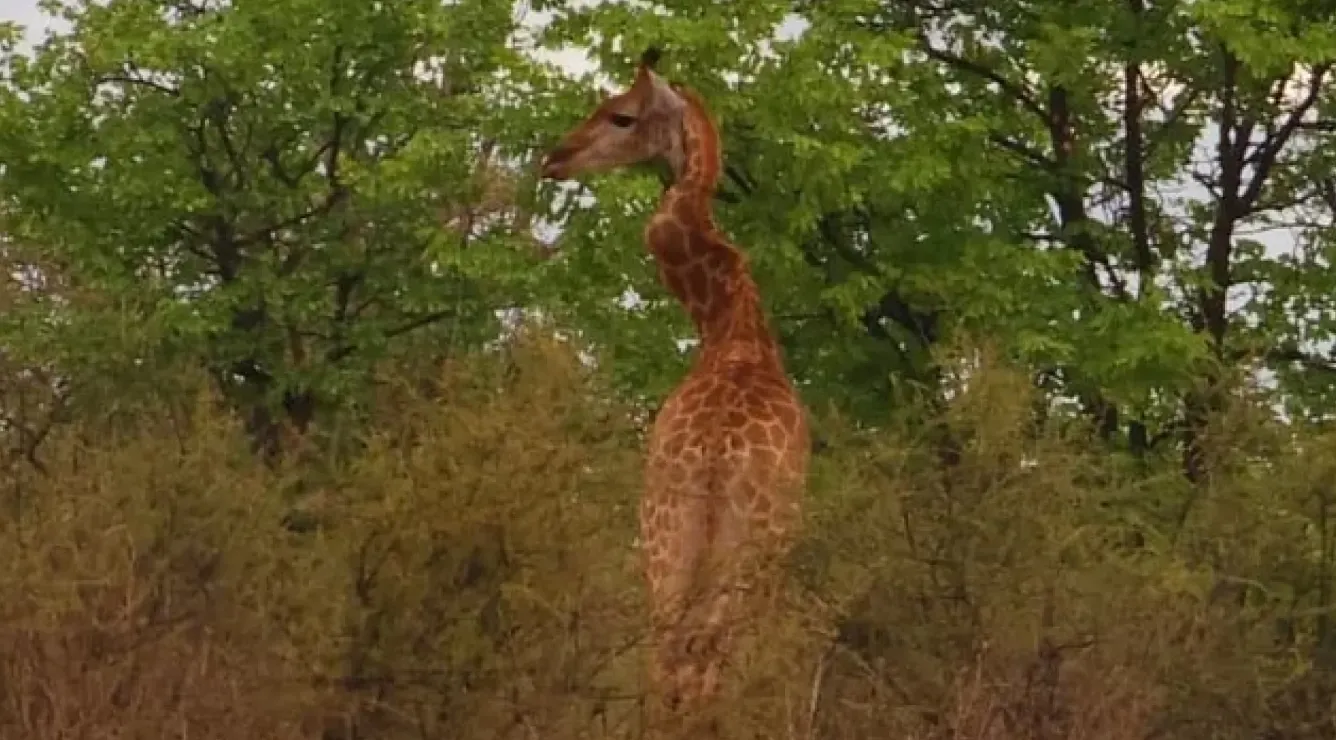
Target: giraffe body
<point>728,452</point>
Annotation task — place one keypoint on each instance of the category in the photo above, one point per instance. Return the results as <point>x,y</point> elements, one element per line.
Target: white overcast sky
<point>26,14</point>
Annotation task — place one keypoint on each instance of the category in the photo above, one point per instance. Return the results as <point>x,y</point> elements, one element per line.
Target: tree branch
<point>1016,90</point>
<point>1265,156</point>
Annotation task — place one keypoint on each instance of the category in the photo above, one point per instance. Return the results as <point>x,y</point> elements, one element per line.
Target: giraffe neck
<point>695,156</point>
<point>705,272</point>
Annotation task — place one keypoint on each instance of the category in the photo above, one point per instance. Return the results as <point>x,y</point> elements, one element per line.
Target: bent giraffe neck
<point>706,273</point>
<point>697,162</point>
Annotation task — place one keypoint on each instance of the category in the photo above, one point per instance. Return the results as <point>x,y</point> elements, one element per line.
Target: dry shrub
<point>983,590</point>
<point>466,570</point>
<point>1263,527</point>
<point>491,536</point>
<point>471,575</point>
<point>146,578</point>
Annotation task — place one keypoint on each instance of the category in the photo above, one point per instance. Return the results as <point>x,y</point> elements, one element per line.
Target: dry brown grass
<point>468,572</point>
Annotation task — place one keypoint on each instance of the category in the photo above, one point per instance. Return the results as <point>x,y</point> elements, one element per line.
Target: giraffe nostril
<point>699,645</point>
<point>671,699</point>
<point>551,165</point>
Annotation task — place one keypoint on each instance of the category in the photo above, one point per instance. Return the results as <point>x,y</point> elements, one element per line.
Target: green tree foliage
<point>472,574</point>
<point>263,186</point>
<point>1080,182</point>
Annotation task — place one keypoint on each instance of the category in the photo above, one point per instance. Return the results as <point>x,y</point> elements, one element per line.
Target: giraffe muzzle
<point>553,166</point>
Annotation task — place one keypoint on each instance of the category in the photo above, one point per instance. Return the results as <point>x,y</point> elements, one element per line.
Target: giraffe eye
<point>621,120</point>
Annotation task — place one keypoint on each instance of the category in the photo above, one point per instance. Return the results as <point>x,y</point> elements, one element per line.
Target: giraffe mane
<point>701,123</point>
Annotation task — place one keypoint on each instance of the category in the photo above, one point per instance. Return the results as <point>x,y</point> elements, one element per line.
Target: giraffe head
<point>642,124</point>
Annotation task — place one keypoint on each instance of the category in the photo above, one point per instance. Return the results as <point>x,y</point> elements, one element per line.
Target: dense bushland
<point>464,567</point>
<point>273,462</point>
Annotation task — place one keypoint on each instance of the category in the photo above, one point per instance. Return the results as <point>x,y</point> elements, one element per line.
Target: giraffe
<point>727,455</point>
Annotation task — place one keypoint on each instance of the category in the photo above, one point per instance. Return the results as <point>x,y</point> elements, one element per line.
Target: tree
<point>261,186</point>
<point>1091,186</point>
<point>1077,182</point>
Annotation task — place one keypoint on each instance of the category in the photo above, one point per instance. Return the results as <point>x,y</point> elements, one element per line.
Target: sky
<point>26,14</point>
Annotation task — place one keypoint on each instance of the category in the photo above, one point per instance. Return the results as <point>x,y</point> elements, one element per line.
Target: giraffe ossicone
<point>728,452</point>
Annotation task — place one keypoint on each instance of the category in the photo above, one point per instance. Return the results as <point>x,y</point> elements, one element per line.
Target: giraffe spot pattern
<point>728,451</point>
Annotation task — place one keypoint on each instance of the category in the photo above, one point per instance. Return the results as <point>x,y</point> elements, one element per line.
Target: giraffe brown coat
<point>728,452</point>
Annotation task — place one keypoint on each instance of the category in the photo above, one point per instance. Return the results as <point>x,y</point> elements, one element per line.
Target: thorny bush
<point>467,569</point>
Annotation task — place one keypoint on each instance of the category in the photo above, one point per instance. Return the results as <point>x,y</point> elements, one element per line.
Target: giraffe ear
<point>655,91</point>
<point>662,96</point>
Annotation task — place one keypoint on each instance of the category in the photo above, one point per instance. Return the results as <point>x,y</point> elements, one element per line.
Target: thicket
<point>464,566</point>
<point>274,462</point>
